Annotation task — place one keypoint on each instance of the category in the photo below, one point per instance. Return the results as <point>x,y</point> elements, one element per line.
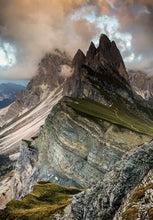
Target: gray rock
<point>102,200</point>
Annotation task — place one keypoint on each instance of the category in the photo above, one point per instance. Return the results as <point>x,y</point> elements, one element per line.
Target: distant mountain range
<point>8,93</point>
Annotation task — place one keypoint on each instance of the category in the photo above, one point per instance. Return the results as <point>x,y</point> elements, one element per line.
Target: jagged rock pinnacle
<point>104,42</point>
<point>78,59</point>
<point>91,52</point>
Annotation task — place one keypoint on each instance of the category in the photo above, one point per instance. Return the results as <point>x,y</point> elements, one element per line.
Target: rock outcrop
<point>23,118</point>
<point>141,84</point>
<point>103,199</point>
<point>102,69</point>
<point>74,145</point>
<point>72,149</point>
<point>138,203</point>
<point>50,74</point>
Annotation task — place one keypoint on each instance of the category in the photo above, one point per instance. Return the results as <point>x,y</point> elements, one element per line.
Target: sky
<point>31,28</point>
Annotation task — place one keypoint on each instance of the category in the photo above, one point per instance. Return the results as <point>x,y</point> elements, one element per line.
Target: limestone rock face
<point>23,118</point>
<point>72,149</point>
<point>48,77</point>
<point>138,203</point>
<point>141,84</point>
<point>103,199</point>
<point>102,69</point>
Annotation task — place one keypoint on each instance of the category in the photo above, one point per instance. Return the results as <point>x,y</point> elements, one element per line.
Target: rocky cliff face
<point>72,149</point>
<point>138,203</point>
<point>83,137</point>
<point>23,118</point>
<point>101,69</point>
<point>50,74</point>
<point>103,199</point>
<point>141,84</point>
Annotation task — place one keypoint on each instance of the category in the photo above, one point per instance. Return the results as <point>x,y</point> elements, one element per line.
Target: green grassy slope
<point>46,200</point>
<point>118,113</point>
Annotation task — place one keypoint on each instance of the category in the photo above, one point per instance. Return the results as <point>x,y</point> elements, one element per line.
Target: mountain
<point>27,114</point>
<point>97,136</point>
<point>141,84</point>
<point>8,93</point>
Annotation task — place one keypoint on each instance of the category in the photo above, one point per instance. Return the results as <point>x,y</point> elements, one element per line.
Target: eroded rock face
<point>141,84</point>
<point>139,203</point>
<point>23,118</point>
<point>103,199</point>
<point>50,75</point>
<point>101,69</point>
<point>72,149</point>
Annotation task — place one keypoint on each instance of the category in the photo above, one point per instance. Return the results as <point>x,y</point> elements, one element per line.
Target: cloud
<point>35,27</point>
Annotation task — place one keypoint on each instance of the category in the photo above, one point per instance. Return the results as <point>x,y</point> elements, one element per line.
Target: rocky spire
<point>104,43</point>
<point>110,54</point>
<point>91,53</point>
<point>78,59</point>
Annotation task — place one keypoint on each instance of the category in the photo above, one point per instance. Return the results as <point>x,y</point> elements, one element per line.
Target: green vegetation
<point>46,200</point>
<point>120,112</point>
<point>130,213</point>
<point>140,192</point>
<point>150,213</point>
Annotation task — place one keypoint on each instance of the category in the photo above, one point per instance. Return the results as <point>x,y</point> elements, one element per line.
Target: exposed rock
<point>102,69</point>
<point>24,117</point>
<point>72,149</point>
<point>139,203</point>
<point>26,165</point>
<point>90,53</point>
<point>46,80</point>
<point>6,193</point>
<point>141,84</point>
<point>78,60</point>
<point>103,199</point>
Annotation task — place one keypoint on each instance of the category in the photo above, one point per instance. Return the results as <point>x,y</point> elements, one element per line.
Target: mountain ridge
<point>98,130</point>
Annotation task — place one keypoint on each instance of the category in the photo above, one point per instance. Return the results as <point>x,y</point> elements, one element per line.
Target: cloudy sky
<point>31,28</point>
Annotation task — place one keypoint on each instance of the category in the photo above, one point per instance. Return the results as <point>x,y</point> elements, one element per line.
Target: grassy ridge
<point>117,113</point>
<point>46,200</point>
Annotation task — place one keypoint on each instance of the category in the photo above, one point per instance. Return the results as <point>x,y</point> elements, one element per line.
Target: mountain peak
<point>110,55</point>
<point>91,52</point>
<point>104,42</point>
<point>78,59</point>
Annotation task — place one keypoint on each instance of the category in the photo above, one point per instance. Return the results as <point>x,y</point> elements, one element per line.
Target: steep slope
<point>102,69</point>
<point>23,118</point>
<point>8,93</point>
<point>45,202</point>
<point>141,84</point>
<point>103,199</point>
<point>138,203</point>
<point>83,137</point>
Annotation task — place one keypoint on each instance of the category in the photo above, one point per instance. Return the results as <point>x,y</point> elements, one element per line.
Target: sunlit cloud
<point>31,29</point>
